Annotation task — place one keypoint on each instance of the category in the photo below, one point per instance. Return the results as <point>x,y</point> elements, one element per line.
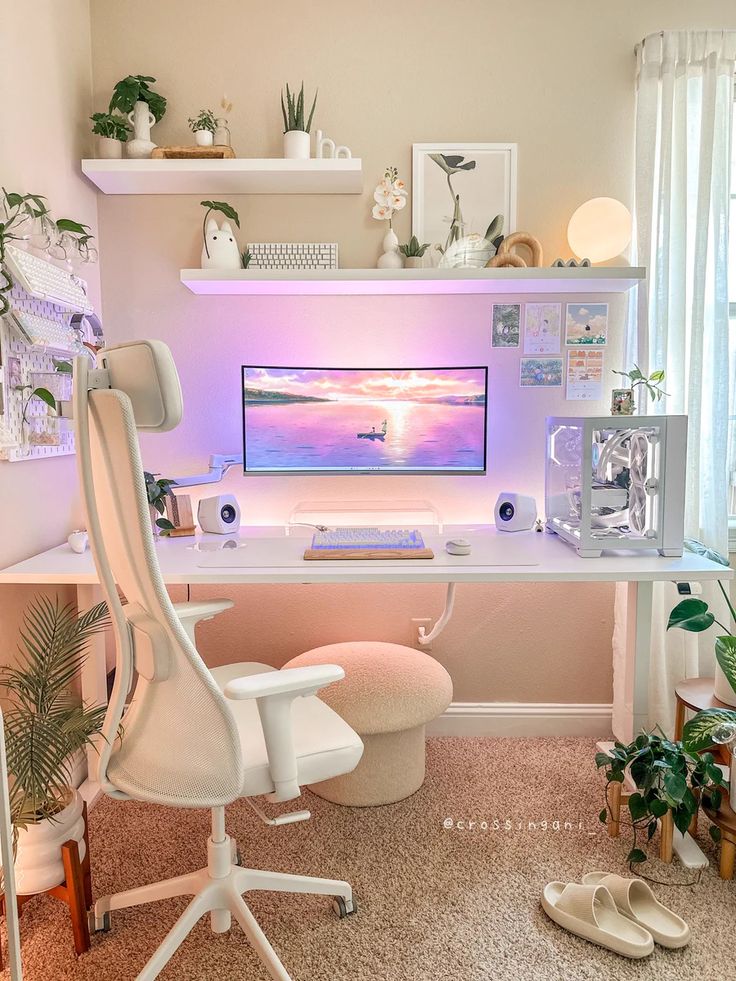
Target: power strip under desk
<point>356,554</point>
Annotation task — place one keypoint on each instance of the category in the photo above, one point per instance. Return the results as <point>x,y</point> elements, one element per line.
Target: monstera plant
<point>713,725</point>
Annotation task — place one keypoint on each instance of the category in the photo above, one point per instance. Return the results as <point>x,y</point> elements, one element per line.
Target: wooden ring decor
<point>523,238</point>
<point>504,259</point>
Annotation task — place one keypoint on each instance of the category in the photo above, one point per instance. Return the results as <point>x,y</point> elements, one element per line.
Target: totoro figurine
<point>221,245</point>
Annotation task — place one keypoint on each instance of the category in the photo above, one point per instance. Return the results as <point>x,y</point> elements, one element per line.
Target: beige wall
<point>555,78</point>
<point>45,78</point>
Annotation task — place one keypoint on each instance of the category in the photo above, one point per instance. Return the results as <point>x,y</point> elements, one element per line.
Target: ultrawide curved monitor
<point>364,420</point>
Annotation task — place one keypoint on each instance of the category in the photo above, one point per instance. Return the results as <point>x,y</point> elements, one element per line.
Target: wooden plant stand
<point>696,694</point>
<point>75,890</point>
<point>725,819</point>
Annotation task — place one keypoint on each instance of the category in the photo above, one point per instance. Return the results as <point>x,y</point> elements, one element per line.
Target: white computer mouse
<point>458,546</point>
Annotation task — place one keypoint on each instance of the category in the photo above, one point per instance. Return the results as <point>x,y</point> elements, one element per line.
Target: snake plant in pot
<point>46,730</point>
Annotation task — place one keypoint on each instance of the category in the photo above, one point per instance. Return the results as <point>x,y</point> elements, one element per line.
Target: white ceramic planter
<point>297,145</point>
<point>722,688</point>
<point>38,863</point>
<point>108,148</point>
<point>142,119</point>
<point>203,137</point>
<point>391,258</point>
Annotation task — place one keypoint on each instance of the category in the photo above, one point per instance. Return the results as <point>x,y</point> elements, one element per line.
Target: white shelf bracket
<point>424,638</point>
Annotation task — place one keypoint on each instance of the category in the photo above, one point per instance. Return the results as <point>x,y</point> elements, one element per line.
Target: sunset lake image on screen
<point>408,420</point>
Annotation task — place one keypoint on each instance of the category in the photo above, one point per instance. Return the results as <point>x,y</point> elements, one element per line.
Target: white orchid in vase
<point>389,196</point>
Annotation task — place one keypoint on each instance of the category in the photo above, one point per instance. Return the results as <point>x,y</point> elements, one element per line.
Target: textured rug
<point>440,899</point>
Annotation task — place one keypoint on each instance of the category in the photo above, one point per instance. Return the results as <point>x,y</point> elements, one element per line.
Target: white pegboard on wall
<point>42,435</point>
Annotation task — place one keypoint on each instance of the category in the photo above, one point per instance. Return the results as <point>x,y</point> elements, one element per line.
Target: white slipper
<point>635,899</point>
<point>590,912</point>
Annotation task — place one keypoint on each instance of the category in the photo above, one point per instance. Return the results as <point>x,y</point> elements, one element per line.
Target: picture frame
<point>486,190</point>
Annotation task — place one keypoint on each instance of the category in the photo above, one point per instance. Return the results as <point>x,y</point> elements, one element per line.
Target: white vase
<point>108,148</point>
<point>203,137</point>
<point>38,863</point>
<point>722,688</point>
<point>391,258</point>
<point>297,145</point>
<point>142,119</point>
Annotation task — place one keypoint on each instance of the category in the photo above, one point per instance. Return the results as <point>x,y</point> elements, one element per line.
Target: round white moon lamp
<point>600,229</point>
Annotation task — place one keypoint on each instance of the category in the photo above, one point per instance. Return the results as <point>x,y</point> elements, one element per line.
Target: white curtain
<point>679,320</point>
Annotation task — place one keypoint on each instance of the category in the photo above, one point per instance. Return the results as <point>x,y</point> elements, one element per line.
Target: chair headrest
<point>146,372</point>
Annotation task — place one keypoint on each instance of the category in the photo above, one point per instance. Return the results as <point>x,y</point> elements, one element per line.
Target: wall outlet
<point>416,623</point>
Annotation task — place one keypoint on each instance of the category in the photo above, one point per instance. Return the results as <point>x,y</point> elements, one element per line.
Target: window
<point>732,346</point>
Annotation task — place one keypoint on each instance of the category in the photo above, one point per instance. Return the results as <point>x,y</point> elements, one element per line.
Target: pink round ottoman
<point>388,695</point>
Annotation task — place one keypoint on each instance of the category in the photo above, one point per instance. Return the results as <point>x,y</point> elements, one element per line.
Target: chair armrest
<point>294,681</point>
<point>274,691</point>
<point>191,613</point>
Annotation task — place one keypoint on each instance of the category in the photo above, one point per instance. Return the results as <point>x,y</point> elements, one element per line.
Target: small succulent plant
<point>413,249</point>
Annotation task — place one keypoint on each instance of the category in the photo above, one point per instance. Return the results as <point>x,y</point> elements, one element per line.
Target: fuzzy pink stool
<point>388,695</point>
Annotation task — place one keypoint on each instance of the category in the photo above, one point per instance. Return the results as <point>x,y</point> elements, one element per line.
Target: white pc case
<point>616,482</point>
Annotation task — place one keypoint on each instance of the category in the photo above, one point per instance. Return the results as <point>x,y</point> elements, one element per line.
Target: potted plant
<point>158,491</point>
<point>111,130</point>
<point>296,131</point>
<point>413,253</point>
<point>670,778</point>
<point>622,399</point>
<point>134,98</point>
<point>389,197</point>
<point>203,125</point>
<point>45,730</point>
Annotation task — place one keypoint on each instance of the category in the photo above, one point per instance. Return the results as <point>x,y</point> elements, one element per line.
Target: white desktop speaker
<point>515,512</point>
<point>220,515</point>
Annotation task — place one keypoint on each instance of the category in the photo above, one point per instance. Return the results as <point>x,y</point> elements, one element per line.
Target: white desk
<point>272,557</point>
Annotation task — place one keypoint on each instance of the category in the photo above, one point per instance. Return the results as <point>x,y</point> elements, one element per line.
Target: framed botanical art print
<point>457,191</point>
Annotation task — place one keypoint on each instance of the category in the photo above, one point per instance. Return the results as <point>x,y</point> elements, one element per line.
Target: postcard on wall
<point>541,373</point>
<point>505,324</point>
<point>584,374</point>
<point>542,328</point>
<point>587,323</point>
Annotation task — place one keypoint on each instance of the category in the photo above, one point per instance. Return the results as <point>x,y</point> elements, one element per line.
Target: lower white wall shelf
<point>331,282</point>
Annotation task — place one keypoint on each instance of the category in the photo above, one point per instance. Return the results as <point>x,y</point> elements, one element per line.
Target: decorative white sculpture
<point>326,149</point>
<point>220,250</point>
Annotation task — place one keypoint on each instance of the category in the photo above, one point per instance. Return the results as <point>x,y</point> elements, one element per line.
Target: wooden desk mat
<point>320,554</point>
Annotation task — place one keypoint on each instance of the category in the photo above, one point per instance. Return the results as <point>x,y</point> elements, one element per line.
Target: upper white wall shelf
<point>238,176</point>
<point>327,282</point>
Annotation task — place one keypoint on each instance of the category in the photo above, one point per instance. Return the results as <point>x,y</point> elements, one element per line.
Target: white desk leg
<point>94,682</point>
<point>631,688</point>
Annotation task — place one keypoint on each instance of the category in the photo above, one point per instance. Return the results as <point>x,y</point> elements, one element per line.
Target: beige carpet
<point>436,904</point>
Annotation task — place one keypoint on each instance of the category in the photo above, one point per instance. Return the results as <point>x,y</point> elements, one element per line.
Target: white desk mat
<point>487,550</point>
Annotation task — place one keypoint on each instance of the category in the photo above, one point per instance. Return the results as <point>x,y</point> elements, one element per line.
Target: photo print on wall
<point>586,323</point>
<point>542,328</point>
<point>540,373</point>
<point>505,324</point>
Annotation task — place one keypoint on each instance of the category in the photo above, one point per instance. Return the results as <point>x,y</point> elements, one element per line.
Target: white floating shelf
<point>238,176</point>
<point>331,282</point>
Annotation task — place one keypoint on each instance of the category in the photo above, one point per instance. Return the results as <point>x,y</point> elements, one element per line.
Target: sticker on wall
<point>505,324</point>
<point>542,328</point>
<point>584,374</point>
<point>587,323</point>
<point>541,373</point>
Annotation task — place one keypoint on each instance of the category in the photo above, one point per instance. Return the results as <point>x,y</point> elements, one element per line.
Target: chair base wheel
<point>101,925</point>
<point>341,907</point>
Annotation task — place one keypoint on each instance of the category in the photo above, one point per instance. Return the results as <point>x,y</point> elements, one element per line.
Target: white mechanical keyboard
<point>44,280</point>
<point>293,255</point>
<point>42,332</point>
<point>368,538</point>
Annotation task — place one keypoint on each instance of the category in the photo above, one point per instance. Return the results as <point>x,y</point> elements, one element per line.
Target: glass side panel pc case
<point>364,420</point>
<point>617,482</point>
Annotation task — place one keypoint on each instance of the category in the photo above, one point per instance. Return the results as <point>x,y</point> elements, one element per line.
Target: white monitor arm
<point>220,463</point>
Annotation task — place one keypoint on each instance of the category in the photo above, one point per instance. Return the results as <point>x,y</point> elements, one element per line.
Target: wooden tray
<point>192,153</point>
<point>320,554</point>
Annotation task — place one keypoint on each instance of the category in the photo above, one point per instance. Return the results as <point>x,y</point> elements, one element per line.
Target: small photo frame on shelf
<point>505,324</point>
<point>540,373</point>
<point>586,324</point>
<point>459,188</point>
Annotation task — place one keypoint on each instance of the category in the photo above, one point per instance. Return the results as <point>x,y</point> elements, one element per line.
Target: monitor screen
<point>364,420</point>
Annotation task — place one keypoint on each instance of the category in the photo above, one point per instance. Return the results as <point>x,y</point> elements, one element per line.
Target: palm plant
<point>45,724</point>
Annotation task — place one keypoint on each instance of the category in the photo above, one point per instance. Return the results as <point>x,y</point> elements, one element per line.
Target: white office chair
<point>190,737</point>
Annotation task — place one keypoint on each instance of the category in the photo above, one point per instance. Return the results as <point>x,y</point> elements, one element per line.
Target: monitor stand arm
<point>220,463</point>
